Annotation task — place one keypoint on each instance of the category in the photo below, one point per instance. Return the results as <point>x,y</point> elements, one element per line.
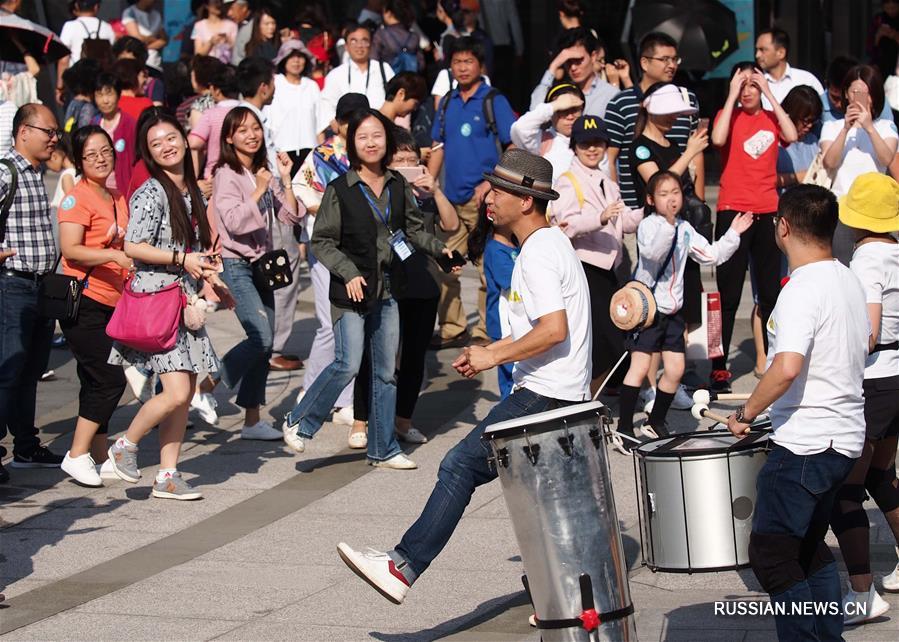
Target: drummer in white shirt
<point>818,342</point>
<point>549,313</point>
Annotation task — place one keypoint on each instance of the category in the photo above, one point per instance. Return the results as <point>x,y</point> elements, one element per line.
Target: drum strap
<point>586,619</point>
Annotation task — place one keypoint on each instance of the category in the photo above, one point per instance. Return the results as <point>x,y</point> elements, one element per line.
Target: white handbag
<point>891,92</point>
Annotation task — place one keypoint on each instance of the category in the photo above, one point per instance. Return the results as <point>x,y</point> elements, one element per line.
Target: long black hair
<point>179,217</point>
<point>228,156</point>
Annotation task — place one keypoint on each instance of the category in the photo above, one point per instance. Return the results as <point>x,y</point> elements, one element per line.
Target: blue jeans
<point>462,470</point>
<point>787,549</point>
<point>247,362</point>
<point>24,351</point>
<point>380,329</point>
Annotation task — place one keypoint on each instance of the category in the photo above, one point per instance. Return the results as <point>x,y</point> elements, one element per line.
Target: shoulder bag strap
<point>10,195</point>
<point>577,187</point>
<point>664,267</point>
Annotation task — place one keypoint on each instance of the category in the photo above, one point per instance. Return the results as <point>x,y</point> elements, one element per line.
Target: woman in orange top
<point>92,222</point>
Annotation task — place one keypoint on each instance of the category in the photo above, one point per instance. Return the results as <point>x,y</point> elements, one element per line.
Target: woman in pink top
<point>591,213</point>
<point>246,198</point>
<point>214,35</point>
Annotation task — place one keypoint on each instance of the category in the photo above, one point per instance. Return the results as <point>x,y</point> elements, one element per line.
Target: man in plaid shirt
<point>27,254</point>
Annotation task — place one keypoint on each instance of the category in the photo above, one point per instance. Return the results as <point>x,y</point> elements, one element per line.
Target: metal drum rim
<point>540,422</point>
<point>701,452</point>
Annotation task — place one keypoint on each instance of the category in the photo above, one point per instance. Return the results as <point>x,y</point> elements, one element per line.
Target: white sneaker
<point>292,439</point>
<point>377,569</point>
<point>106,471</point>
<point>863,607</point>
<point>344,416</point>
<point>682,399</point>
<point>262,431</point>
<point>648,399</point>
<point>397,462</point>
<point>141,384</point>
<point>82,469</point>
<point>891,581</point>
<point>205,404</point>
<point>412,436</point>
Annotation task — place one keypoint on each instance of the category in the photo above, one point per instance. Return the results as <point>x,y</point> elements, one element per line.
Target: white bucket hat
<point>667,100</point>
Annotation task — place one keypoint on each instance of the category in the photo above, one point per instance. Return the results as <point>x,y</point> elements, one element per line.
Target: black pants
<point>417,318</point>
<point>756,245</point>
<point>608,340</point>
<point>102,384</point>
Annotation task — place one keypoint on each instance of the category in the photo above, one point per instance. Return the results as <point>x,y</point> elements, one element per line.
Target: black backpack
<point>489,116</point>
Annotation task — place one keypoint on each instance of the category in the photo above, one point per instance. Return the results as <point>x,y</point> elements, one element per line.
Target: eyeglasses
<point>93,157</point>
<point>667,60</point>
<point>51,133</point>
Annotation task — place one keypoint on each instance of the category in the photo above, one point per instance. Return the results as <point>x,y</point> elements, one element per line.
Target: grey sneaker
<point>175,487</point>
<point>124,463</point>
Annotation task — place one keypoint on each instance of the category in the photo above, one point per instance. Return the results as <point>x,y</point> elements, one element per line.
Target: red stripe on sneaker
<point>397,573</point>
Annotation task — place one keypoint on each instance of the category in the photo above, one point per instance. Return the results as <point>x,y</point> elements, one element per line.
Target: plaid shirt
<point>29,228</point>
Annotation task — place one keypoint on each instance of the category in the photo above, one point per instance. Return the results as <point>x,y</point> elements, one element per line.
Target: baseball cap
<point>589,128</point>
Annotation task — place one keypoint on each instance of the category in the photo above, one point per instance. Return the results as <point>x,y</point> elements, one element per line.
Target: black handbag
<point>272,271</point>
<point>698,215</point>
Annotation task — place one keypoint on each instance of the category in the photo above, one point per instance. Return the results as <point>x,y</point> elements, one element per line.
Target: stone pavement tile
<point>74,625</point>
<point>22,503</point>
<point>19,586</point>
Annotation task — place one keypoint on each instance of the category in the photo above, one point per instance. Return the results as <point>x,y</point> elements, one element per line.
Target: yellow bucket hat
<point>872,203</point>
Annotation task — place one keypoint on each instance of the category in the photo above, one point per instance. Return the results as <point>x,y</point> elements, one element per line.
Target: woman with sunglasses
<point>92,222</point>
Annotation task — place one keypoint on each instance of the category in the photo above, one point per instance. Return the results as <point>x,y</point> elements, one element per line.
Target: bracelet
<point>174,257</point>
<point>183,259</point>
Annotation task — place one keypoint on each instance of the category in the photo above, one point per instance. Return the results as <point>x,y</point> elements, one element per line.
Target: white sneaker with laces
<point>377,569</point>
<point>261,431</point>
<point>141,384</point>
<point>648,399</point>
<point>864,606</point>
<point>682,399</point>
<point>891,581</point>
<point>291,438</point>
<point>397,462</point>
<point>106,471</point>
<point>344,416</point>
<point>82,469</point>
<point>205,404</point>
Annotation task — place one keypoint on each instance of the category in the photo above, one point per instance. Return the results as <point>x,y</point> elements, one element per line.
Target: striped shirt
<point>29,229</point>
<point>621,120</point>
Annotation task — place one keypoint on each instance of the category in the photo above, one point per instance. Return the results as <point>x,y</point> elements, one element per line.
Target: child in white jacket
<point>656,234</point>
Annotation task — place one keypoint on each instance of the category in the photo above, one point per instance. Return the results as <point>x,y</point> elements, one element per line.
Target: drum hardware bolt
<point>501,457</point>
<point>566,443</point>
<point>651,497</point>
<point>594,437</point>
<point>532,452</point>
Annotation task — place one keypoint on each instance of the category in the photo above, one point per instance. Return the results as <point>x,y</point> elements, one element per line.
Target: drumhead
<point>543,421</point>
<point>703,443</point>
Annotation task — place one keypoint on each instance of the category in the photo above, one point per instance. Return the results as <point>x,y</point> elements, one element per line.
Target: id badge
<point>401,245</point>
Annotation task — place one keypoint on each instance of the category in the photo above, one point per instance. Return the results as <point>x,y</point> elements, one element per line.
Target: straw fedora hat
<point>522,172</point>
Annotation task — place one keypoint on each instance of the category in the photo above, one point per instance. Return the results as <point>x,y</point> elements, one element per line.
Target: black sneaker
<point>719,381</point>
<point>4,475</point>
<point>40,457</point>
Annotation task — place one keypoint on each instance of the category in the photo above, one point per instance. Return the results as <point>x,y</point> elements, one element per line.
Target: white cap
<point>667,100</point>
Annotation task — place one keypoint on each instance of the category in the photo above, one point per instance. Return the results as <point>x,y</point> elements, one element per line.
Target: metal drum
<point>697,497</point>
<point>555,477</point>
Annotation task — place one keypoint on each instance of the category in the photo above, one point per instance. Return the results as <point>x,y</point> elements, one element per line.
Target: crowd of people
<point>295,146</point>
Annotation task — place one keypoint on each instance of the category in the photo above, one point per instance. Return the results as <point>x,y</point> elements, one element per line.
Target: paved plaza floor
<point>256,559</point>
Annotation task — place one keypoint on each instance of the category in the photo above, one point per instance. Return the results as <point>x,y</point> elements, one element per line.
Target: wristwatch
<point>741,417</point>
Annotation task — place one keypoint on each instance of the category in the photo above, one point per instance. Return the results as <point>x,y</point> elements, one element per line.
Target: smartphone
<point>703,124</point>
<point>447,264</point>
<point>411,173</point>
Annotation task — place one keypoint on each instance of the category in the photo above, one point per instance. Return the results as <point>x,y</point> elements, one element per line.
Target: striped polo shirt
<point>621,120</point>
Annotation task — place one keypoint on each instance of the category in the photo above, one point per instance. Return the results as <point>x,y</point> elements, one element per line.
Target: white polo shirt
<point>821,314</point>
<point>349,78</point>
<point>877,267</point>
<point>793,77</point>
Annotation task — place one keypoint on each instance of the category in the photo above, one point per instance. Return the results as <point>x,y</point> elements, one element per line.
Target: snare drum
<point>555,477</point>
<point>697,497</point>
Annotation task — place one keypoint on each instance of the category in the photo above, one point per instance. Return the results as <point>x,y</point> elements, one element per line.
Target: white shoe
<point>357,440</point>
<point>141,384</point>
<point>412,436</point>
<point>377,569</point>
<point>344,416</point>
<point>205,404</point>
<point>647,431</point>
<point>648,399</point>
<point>106,471</point>
<point>262,431</point>
<point>863,607</point>
<point>891,581</point>
<point>292,439</point>
<point>82,469</point>
<point>397,462</point>
<point>682,399</point>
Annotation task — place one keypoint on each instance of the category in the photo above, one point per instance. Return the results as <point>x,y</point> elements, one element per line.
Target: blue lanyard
<point>381,215</point>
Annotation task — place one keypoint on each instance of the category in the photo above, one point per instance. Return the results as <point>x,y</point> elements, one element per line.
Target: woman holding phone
<point>367,225</point>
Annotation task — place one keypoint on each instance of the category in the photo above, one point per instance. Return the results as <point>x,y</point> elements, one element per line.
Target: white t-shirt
<point>442,83</point>
<point>349,78</point>
<point>76,31</point>
<point>149,23</point>
<point>877,266</point>
<point>293,114</point>
<point>858,153</point>
<point>548,277</point>
<point>821,314</point>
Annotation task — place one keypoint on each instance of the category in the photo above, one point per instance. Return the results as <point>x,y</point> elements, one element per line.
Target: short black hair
<point>779,37</point>
<point>801,103</point>
<point>79,78</point>
<point>571,8</point>
<point>654,39</point>
<point>128,73</point>
<point>356,119</point>
<point>413,83</point>
<point>579,36</point>
<point>130,45</point>
<point>106,79</point>
<point>225,80</point>
<point>401,10</point>
<point>837,70</point>
<point>25,113</point>
<point>745,65</point>
<point>253,72</point>
<point>404,140</point>
<point>205,68</point>
<point>811,211</point>
<point>79,140</point>
<point>352,25</point>
<point>467,44</point>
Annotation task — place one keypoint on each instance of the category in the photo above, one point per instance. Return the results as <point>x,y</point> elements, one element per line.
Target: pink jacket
<point>594,243</point>
<point>242,225</point>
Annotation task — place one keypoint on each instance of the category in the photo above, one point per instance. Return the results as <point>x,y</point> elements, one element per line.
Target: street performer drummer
<point>818,342</point>
<point>549,312</point>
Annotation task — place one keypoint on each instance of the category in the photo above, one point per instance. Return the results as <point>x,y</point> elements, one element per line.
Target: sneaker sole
<point>119,473</point>
<point>97,484</point>
<point>378,464</point>
<point>188,497</point>
<point>352,566</point>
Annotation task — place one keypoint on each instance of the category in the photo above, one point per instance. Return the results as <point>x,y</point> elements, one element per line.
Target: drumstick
<point>701,411</point>
<point>706,397</point>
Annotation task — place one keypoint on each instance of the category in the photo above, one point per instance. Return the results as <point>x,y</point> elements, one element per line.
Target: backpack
<point>10,195</point>
<point>406,58</point>
<point>94,47</point>
<point>489,117</point>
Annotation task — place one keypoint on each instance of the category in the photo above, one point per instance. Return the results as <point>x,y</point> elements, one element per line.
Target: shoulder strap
<point>10,195</point>
<point>664,267</point>
<point>441,112</point>
<point>383,75</point>
<point>577,187</point>
<point>490,118</point>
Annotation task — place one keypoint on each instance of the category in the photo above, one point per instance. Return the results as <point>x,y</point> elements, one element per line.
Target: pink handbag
<point>148,321</point>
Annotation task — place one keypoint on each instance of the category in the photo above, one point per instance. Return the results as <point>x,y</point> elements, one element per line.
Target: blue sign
<point>176,14</point>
